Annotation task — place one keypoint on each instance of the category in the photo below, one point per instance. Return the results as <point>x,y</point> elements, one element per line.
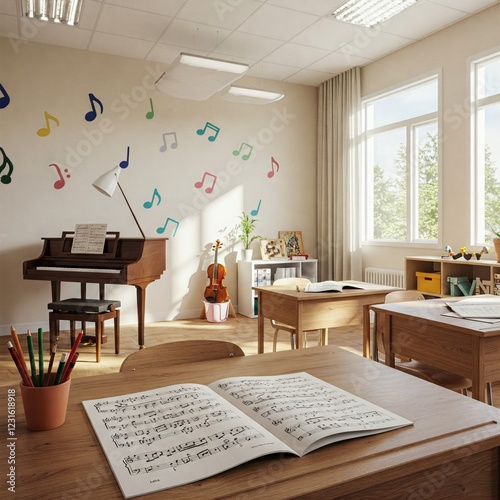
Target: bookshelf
<point>268,271</point>
<point>485,270</point>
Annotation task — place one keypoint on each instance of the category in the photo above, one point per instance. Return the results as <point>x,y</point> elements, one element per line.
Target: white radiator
<point>389,277</point>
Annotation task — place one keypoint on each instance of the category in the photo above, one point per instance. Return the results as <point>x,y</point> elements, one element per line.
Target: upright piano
<point>124,261</point>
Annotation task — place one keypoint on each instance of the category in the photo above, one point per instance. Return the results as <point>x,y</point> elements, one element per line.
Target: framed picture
<point>272,249</point>
<point>293,242</point>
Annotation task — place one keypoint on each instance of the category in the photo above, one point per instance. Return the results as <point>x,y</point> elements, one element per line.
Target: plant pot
<point>246,254</point>
<point>496,242</point>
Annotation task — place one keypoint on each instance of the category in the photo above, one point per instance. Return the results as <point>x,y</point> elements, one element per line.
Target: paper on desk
<point>479,307</point>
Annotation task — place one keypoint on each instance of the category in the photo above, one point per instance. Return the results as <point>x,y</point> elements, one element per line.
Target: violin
<point>216,291</point>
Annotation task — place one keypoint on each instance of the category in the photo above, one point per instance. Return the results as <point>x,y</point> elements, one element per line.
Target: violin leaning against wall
<point>216,291</point>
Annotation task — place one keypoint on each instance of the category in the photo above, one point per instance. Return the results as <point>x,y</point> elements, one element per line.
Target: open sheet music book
<point>477,307</point>
<point>332,286</point>
<point>179,434</point>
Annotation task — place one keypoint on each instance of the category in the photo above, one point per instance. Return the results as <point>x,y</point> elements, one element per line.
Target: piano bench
<point>85,310</point>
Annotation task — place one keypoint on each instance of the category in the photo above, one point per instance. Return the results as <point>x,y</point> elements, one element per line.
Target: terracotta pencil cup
<point>45,407</point>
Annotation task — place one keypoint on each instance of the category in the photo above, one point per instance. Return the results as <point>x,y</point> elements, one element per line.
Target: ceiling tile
<point>56,34</point>
<point>336,62</point>
<point>162,7</point>
<point>120,45</point>
<point>375,47</point>
<point>308,77</point>
<point>270,71</point>
<point>296,55</point>
<point>464,5</point>
<point>249,46</point>
<point>317,7</point>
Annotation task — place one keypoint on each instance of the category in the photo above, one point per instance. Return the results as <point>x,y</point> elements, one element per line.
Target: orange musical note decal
<point>274,164</point>
<point>174,144</point>
<point>5,99</point>
<point>245,157</point>
<point>151,113</point>
<point>44,131</point>
<point>161,230</point>
<point>149,204</point>
<point>256,211</point>
<point>124,163</point>
<point>209,189</point>
<point>60,183</point>
<point>210,126</point>
<point>91,115</point>
<point>6,178</point>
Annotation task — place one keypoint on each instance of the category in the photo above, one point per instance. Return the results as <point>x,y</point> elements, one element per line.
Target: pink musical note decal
<point>256,211</point>
<point>236,152</point>
<point>149,204</point>
<point>60,183</point>
<point>210,126</point>
<point>6,178</point>
<point>124,163</point>
<point>174,144</point>
<point>161,230</point>
<point>91,115</point>
<point>5,99</point>
<point>274,163</point>
<point>199,184</point>
<point>44,131</point>
<point>151,113</point>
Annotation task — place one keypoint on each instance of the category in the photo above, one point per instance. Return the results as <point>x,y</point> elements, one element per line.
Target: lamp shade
<point>106,183</point>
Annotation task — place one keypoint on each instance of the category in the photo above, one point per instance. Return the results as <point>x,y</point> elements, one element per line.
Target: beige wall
<point>448,51</point>
<point>42,78</point>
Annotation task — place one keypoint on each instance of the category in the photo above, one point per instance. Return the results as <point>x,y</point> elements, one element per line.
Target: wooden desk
<point>419,330</point>
<point>451,451</point>
<point>314,311</point>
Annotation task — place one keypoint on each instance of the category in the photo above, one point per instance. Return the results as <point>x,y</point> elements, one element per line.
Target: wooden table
<point>315,311</point>
<point>419,330</point>
<point>451,451</point>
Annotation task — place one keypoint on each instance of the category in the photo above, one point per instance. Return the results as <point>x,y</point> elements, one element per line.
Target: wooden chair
<point>417,368</point>
<point>176,353</point>
<point>300,282</point>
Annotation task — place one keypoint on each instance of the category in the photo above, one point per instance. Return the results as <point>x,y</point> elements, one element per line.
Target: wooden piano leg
<point>141,312</point>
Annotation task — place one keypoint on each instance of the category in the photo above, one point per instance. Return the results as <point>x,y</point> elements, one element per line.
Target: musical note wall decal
<point>255,212</point>
<point>149,204</point>
<point>210,126</point>
<point>209,189</point>
<point>274,164</point>
<point>5,98</point>
<point>245,157</point>
<point>45,131</point>
<point>161,230</point>
<point>124,163</point>
<point>6,178</point>
<point>92,114</point>
<point>174,144</point>
<point>60,183</point>
<point>150,114</point>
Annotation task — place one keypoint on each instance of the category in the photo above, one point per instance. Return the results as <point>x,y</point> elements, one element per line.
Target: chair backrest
<point>291,282</point>
<point>403,296</point>
<point>184,351</point>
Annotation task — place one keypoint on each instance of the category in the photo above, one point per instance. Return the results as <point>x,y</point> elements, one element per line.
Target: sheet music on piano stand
<point>89,238</point>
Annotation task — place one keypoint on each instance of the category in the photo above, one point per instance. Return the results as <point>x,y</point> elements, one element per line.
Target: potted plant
<point>247,227</point>
<point>496,240</point>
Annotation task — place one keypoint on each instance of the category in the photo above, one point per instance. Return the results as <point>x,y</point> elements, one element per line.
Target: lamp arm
<point>131,211</point>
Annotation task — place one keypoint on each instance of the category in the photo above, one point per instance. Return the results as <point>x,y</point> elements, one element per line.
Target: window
<point>485,128</point>
<point>401,164</point>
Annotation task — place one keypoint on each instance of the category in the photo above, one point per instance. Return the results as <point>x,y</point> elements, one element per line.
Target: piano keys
<point>124,261</point>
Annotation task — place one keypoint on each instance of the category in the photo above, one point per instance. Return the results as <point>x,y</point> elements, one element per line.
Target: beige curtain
<point>338,177</point>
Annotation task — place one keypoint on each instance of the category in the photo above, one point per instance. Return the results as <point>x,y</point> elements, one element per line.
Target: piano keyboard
<point>77,269</point>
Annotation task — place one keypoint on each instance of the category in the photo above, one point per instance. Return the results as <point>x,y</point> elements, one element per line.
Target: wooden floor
<point>240,330</point>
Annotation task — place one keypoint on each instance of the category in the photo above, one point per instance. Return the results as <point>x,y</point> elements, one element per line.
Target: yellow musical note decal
<point>245,157</point>
<point>44,131</point>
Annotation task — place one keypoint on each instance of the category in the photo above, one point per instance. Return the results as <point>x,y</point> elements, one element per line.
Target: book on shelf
<point>333,286</point>
<point>175,435</point>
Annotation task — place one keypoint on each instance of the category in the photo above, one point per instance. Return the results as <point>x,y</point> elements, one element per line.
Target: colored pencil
<point>60,368</point>
<point>41,369</point>
<point>17,361</point>
<point>72,353</point>
<point>31,353</point>
<point>17,345</point>
<point>71,365</point>
<point>49,369</point>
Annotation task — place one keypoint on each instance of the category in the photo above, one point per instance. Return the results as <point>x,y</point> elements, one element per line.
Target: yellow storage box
<point>429,282</point>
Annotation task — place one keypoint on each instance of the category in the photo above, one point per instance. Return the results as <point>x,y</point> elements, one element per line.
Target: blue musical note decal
<point>6,178</point>
<point>149,204</point>
<point>161,230</point>
<point>210,126</point>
